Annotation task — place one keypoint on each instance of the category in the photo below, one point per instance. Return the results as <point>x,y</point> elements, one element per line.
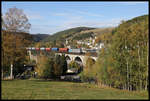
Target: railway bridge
<point>79,58</point>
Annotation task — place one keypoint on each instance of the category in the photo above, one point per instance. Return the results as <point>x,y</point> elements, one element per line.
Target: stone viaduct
<point>80,58</point>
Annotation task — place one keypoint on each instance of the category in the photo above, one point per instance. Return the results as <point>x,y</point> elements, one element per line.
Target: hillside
<point>93,32</point>
<point>39,37</point>
<point>66,33</point>
<point>77,33</point>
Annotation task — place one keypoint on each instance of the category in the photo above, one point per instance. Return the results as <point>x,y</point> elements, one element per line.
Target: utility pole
<point>11,72</point>
<point>2,62</point>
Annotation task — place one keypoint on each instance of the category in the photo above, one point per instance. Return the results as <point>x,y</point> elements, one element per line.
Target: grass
<point>40,89</point>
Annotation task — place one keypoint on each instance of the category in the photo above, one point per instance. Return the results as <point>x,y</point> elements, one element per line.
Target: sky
<point>52,17</point>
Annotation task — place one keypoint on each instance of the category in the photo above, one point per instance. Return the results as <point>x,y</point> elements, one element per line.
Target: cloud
<point>46,29</point>
<point>73,18</point>
<point>89,14</point>
<point>33,15</point>
<point>131,3</point>
<point>75,13</point>
<point>98,23</point>
<point>77,22</point>
<point>92,23</point>
<point>60,14</point>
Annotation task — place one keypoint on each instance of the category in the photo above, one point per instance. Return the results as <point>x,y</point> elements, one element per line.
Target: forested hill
<point>138,19</point>
<point>39,37</point>
<point>66,33</point>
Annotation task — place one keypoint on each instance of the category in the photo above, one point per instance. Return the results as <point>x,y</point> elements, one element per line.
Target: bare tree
<point>16,21</point>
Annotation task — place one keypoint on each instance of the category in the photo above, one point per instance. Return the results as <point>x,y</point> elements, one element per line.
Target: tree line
<point>50,68</point>
<point>123,62</point>
<point>15,38</point>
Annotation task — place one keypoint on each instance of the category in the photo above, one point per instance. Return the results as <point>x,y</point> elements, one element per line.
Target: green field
<point>40,89</point>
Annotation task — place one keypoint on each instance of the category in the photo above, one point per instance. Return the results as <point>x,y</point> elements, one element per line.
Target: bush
<point>51,68</point>
<point>48,71</point>
<point>44,67</point>
<point>60,65</point>
<point>75,65</point>
<point>88,74</point>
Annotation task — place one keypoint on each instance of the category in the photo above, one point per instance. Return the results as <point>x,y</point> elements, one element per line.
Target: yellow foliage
<point>41,65</point>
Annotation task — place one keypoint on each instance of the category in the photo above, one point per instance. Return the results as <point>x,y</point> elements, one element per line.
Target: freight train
<point>63,50</point>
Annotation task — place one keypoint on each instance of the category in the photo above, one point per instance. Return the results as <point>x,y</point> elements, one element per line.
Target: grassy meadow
<point>41,89</point>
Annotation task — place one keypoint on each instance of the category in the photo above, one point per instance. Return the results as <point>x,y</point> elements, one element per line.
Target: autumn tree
<point>14,36</point>
<point>123,63</point>
<point>60,65</point>
<point>87,73</point>
<point>130,42</point>
<point>44,67</point>
<point>11,54</point>
<point>64,64</point>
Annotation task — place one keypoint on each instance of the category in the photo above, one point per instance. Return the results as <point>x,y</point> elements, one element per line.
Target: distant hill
<point>39,37</point>
<point>66,34</point>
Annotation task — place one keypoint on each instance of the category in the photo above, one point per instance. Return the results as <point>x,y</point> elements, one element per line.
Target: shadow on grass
<point>57,80</point>
<point>41,80</point>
